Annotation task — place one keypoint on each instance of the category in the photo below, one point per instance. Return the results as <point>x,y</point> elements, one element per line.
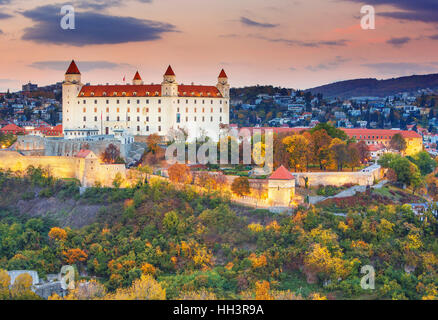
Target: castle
<point>142,109</point>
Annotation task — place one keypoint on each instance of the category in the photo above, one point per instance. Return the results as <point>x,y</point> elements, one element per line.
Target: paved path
<point>347,193</point>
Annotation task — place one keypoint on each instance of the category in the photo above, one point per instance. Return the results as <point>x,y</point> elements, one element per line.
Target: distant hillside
<point>377,88</point>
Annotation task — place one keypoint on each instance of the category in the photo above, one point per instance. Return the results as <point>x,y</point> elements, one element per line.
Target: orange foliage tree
<point>180,173</point>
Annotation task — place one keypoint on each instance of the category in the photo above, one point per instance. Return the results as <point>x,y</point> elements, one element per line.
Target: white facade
<point>140,109</point>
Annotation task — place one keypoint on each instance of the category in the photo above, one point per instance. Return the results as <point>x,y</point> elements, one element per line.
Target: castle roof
<point>169,71</point>
<point>137,76</point>
<point>223,74</point>
<point>151,90</point>
<point>73,68</point>
<point>281,174</point>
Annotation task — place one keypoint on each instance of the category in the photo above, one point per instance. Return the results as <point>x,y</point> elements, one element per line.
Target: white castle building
<point>143,109</point>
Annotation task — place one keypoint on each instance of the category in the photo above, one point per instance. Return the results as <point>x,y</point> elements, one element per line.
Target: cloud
<point>398,42</point>
<point>7,80</point>
<point>82,65</point>
<point>2,2</point>
<point>328,65</point>
<point>434,37</point>
<point>4,16</point>
<point>253,23</point>
<point>401,68</point>
<point>300,43</point>
<point>414,10</point>
<point>91,28</point>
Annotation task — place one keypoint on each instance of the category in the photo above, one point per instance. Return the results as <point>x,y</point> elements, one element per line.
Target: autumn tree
<point>398,143</point>
<point>298,148</point>
<point>145,288</point>
<point>180,173</point>
<point>73,256</point>
<point>240,186</point>
<point>363,151</point>
<point>111,155</point>
<point>319,147</point>
<point>58,234</point>
<point>353,156</point>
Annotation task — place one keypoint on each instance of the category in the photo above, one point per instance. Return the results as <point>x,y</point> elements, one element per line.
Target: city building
<point>143,109</point>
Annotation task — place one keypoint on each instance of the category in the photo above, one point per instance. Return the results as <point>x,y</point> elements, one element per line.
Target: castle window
<point>187,101</point>
<point>159,119</point>
<point>203,101</point>
<point>159,101</point>
<point>147,128</point>
<point>147,119</point>
<point>221,102</point>
<point>187,110</point>
<point>203,110</point>
<point>220,119</point>
<point>138,101</point>
<point>114,93</point>
<point>85,101</point>
<point>104,94</point>
<point>159,110</point>
<point>138,119</point>
<point>195,101</point>
<point>195,110</point>
<point>118,109</point>
<point>129,118</point>
<point>187,119</point>
<point>118,118</point>
<point>129,101</point>
<point>178,101</point>
<point>211,101</point>
<point>203,119</point>
<point>159,128</point>
<point>85,110</point>
<point>211,119</point>
<point>177,110</point>
<point>147,93</point>
<point>195,118</point>
<point>107,101</point>
<point>118,101</point>
<point>85,119</point>
<point>107,109</point>
<point>138,110</point>
<point>147,101</point>
<point>178,118</point>
<point>185,93</point>
<point>211,110</point>
<point>107,118</point>
<point>95,119</point>
<point>157,94</point>
<point>95,109</point>
<point>123,93</point>
<point>134,94</point>
<point>92,94</point>
<point>129,109</point>
<point>138,128</point>
<point>147,109</point>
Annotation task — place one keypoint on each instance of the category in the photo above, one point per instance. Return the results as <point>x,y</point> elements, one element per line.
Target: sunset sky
<point>289,43</point>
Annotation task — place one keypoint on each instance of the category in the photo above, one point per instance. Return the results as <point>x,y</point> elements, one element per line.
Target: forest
<point>160,241</point>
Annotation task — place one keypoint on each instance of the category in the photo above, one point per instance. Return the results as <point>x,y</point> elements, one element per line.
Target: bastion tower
<point>70,89</point>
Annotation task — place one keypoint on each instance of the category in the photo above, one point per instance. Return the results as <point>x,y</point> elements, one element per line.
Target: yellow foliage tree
<point>145,288</point>
<point>58,234</point>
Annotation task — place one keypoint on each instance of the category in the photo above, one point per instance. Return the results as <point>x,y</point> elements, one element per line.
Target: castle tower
<point>137,80</point>
<point>281,187</point>
<point>70,89</point>
<point>169,86</point>
<point>222,84</point>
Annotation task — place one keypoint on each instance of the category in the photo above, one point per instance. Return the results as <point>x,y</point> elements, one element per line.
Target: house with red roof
<point>281,188</point>
<point>12,129</point>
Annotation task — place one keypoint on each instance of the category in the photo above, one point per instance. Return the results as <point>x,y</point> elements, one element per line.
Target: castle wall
<point>365,177</point>
<point>87,171</point>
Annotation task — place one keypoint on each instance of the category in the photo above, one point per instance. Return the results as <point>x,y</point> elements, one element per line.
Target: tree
<point>398,143</point>
<point>363,151</point>
<point>180,173</point>
<point>424,162</point>
<point>111,155</point>
<point>240,186</point>
<point>58,234</point>
<point>330,130</point>
<point>72,256</point>
<point>319,147</point>
<point>152,142</point>
<point>298,148</point>
<point>353,156</point>
<point>145,288</point>
<point>340,155</point>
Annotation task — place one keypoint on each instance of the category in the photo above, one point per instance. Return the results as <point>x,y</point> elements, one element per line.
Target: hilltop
<point>377,88</point>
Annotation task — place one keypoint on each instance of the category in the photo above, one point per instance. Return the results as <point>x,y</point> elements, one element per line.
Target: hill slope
<point>377,88</point>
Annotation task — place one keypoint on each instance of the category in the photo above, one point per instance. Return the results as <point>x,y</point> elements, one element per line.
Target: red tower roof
<point>169,71</point>
<point>223,74</point>
<point>73,68</point>
<point>137,76</point>
<point>281,174</point>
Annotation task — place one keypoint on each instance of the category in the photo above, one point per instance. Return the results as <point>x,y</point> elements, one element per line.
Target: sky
<point>289,43</point>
